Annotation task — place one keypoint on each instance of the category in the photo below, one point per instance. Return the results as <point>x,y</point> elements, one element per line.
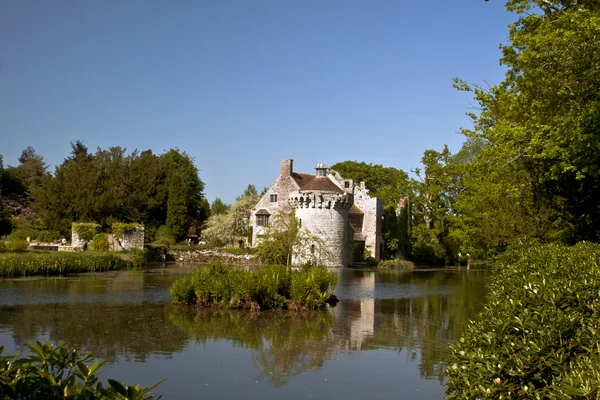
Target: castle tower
<point>322,208</point>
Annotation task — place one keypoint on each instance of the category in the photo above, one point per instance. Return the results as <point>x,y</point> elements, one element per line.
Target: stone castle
<point>343,215</point>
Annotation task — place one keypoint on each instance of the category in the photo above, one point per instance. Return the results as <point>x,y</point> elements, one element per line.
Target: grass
<point>268,287</point>
<point>14,264</point>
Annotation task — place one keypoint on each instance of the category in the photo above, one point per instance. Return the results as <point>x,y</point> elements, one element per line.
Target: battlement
<point>335,201</point>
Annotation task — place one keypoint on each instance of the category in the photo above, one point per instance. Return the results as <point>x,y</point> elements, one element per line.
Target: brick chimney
<point>286,168</point>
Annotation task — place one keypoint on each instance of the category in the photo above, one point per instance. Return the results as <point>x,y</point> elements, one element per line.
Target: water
<point>387,338</point>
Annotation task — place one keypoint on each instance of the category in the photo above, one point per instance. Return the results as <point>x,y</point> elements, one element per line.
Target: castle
<point>345,218</point>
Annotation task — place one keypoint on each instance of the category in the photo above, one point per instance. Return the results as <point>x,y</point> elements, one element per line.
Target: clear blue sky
<point>241,84</point>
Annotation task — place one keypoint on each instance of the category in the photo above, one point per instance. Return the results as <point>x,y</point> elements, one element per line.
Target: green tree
<point>218,207</point>
<point>539,173</point>
<point>4,221</point>
<point>389,184</point>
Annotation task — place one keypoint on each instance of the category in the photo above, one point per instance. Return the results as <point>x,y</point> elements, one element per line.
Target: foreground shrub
<point>57,372</point>
<point>539,332</point>
<point>31,263</point>
<point>268,287</point>
<point>310,287</point>
<point>396,263</point>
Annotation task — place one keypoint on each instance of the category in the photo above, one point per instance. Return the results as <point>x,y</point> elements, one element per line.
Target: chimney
<point>286,167</point>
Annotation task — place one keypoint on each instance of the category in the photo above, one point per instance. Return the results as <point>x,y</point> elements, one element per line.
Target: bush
<point>138,257</point>
<point>100,242</point>
<point>539,332</point>
<point>310,287</point>
<point>268,287</point>
<point>16,244</point>
<point>57,372</point>
<point>396,263</point>
<point>86,230</point>
<point>47,236</point>
<point>164,236</point>
<point>32,263</point>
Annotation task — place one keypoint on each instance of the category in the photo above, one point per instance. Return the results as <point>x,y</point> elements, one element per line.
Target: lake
<point>386,338</point>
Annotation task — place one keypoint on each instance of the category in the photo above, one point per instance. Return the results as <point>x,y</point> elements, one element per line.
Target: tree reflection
<point>283,344</point>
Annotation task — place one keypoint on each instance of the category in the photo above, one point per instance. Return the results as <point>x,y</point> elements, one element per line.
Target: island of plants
<point>267,287</point>
<point>14,264</point>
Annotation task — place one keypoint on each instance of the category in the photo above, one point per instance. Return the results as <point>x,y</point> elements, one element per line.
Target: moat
<point>386,338</point>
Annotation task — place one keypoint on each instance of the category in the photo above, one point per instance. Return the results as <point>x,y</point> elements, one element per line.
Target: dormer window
<point>273,198</point>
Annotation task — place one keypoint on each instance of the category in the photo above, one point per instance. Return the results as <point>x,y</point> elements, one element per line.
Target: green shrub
<point>58,372</point>
<point>539,332</point>
<point>47,236</point>
<point>22,234</point>
<point>310,287</point>
<point>47,263</point>
<point>17,244</point>
<point>86,230</point>
<point>138,257</point>
<point>100,242</point>
<point>268,287</point>
<point>396,263</point>
<point>164,236</point>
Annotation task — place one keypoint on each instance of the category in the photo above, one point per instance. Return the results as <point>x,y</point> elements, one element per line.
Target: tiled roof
<point>302,179</point>
<point>322,183</point>
<point>262,211</point>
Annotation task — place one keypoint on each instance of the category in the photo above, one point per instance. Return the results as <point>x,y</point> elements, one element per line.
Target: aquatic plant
<point>59,372</point>
<point>31,263</point>
<point>268,287</point>
<point>396,263</point>
<point>539,332</point>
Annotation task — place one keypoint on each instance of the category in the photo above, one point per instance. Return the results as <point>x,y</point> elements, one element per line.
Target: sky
<point>241,84</point>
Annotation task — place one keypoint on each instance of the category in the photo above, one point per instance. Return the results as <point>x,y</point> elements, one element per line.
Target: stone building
<point>343,215</point>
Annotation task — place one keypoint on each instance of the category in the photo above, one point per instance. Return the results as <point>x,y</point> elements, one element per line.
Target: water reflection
<point>412,316</point>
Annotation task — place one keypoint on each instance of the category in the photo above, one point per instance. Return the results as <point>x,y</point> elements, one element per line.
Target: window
<point>273,198</point>
<point>262,220</point>
<point>347,184</point>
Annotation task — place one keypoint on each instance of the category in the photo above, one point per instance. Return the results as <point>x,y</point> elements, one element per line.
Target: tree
<point>540,126</point>
<point>389,184</point>
<point>4,221</point>
<point>218,207</point>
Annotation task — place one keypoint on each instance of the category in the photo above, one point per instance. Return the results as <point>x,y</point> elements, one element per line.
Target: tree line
<point>106,186</point>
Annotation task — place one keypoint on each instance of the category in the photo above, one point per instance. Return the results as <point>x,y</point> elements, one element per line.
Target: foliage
<point>396,263</point>
<point>177,218</point>
<point>389,184</point>
<point>233,226</point>
<point>48,263</point>
<point>538,175</point>
<point>310,287</point>
<point>120,228</point>
<point>100,242</point>
<point>164,236</point>
<point>112,185</point>
<point>36,235</point>
<point>267,287</point>
<point>86,230</point>
<point>218,207</point>
<point>58,372</point>
<point>538,334</point>
<point>138,257</point>
<point>16,244</point>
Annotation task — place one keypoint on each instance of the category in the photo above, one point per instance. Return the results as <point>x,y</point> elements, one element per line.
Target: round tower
<point>322,208</point>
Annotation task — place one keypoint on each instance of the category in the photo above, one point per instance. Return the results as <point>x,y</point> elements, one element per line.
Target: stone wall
<point>133,239</point>
<point>325,215</point>
<point>373,219</point>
